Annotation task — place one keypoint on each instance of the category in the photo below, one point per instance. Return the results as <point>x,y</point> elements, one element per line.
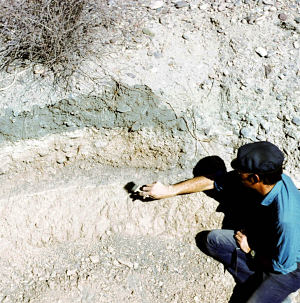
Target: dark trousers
<point>261,287</point>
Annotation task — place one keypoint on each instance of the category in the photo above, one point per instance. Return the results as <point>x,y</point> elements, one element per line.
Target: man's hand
<point>242,242</point>
<point>157,190</point>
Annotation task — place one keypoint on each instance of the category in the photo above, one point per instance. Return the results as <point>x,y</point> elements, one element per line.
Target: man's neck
<point>265,189</point>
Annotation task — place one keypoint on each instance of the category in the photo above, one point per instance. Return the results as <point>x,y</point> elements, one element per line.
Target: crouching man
<point>267,244</point>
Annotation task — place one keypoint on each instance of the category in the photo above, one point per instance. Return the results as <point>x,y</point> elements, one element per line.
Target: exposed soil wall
<point>198,78</point>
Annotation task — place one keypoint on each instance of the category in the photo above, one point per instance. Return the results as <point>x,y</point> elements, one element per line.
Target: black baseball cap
<point>258,157</point>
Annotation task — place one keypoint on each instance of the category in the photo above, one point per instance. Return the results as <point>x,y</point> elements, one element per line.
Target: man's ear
<point>255,178</point>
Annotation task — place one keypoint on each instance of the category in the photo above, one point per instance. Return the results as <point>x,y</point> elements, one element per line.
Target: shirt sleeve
<point>220,181</point>
<point>286,254</point>
<point>225,180</point>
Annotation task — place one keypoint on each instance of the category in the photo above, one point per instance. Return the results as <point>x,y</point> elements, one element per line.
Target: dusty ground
<point>190,79</point>
<point>84,240</point>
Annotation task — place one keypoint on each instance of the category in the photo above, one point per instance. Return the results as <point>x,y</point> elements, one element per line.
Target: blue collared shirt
<point>284,199</point>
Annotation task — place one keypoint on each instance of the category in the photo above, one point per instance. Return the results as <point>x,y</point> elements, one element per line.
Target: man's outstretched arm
<point>158,190</point>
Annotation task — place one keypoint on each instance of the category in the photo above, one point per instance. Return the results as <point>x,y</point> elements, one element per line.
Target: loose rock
<point>204,6</point>
<point>268,70</point>
<point>296,121</point>
<point>268,2</point>
<point>95,259</point>
<point>248,133</point>
<point>157,54</point>
<point>148,32</point>
<point>186,36</point>
<point>131,75</point>
<point>282,17</point>
<point>125,262</point>
<point>181,4</point>
<point>156,4</point>
<point>123,108</point>
<point>71,272</point>
<point>261,51</point>
<point>39,69</point>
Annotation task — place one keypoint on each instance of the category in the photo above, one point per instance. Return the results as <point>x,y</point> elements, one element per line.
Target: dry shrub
<point>55,33</point>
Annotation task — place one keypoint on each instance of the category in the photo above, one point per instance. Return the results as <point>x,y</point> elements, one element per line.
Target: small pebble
<point>51,285</point>
<point>135,265</point>
<point>268,70</point>
<point>297,19</point>
<point>71,272</point>
<point>296,121</point>
<point>250,19</point>
<point>282,17</point>
<point>248,133</point>
<point>125,262</point>
<point>265,126</point>
<point>149,53</point>
<point>39,69</point>
<point>116,263</point>
<point>156,4</point>
<point>268,2</point>
<point>233,20</point>
<point>130,75</point>
<point>185,36</point>
<point>193,6</point>
<point>148,32</point>
<point>135,126</point>
<point>113,40</point>
<point>60,159</point>
<point>181,4</point>
<point>261,51</point>
<point>221,7</point>
<point>95,259</point>
<point>261,138</point>
<point>123,108</point>
<point>296,44</point>
<point>225,72</point>
<point>291,133</point>
<point>204,6</point>
<point>157,55</point>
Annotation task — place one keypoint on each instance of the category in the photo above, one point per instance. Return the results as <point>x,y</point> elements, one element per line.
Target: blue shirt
<point>284,199</point>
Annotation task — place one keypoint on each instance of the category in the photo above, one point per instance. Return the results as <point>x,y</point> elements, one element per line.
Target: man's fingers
<point>156,190</point>
<point>239,236</point>
<point>150,185</point>
<point>242,241</point>
<point>145,194</point>
<point>147,188</point>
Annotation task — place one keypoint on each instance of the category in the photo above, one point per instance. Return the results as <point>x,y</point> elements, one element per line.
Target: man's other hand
<point>242,242</point>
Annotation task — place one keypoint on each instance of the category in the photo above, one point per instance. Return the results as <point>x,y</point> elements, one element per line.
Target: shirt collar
<point>269,198</point>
